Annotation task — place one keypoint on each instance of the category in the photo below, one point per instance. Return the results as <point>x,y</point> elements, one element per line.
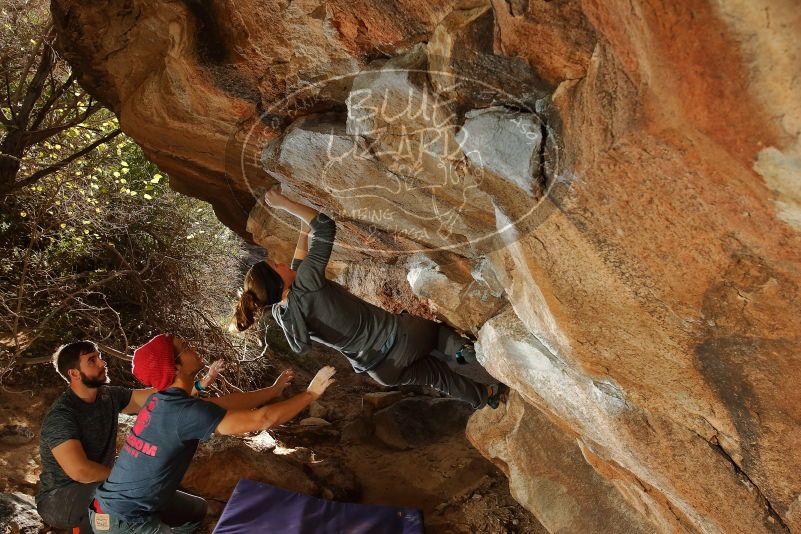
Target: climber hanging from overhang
<point>394,349</point>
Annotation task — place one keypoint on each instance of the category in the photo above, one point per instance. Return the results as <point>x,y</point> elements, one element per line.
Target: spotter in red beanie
<point>154,362</point>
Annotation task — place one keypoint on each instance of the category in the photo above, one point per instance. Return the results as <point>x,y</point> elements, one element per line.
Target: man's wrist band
<point>199,386</point>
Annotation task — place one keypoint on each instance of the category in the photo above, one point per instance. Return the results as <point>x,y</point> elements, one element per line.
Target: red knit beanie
<point>154,362</point>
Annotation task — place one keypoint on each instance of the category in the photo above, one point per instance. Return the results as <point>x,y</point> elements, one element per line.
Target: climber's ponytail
<point>263,287</point>
<point>246,310</point>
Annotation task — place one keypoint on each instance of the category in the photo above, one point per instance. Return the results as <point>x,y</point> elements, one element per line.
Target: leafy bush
<point>93,243</point>
<point>105,250</point>
<point>48,120</point>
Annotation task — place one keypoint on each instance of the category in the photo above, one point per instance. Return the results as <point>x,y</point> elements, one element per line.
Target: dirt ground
<point>458,490</point>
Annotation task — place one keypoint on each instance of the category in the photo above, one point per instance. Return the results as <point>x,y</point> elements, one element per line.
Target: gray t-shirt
<point>94,425</point>
<point>333,316</point>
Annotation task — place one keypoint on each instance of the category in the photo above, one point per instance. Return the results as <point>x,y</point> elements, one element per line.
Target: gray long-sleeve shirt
<point>332,315</point>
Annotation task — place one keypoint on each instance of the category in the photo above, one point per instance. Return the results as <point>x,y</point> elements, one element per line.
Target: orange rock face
<point>606,193</point>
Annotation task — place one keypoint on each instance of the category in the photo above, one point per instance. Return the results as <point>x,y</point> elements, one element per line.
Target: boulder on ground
<point>356,430</point>
<point>221,462</point>
<point>417,421</point>
<point>314,421</point>
<point>372,402</point>
<point>318,411</point>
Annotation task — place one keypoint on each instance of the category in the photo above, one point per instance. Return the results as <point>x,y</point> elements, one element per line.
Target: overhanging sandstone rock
<point>628,438</point>
<point>548,472</point>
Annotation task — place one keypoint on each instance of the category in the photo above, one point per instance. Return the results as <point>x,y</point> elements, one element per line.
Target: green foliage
<point>105,250</point>
<point>93,243</point>
<point>46,119</point>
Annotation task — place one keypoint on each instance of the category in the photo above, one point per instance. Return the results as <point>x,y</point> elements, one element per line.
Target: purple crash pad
<point>257,507</point>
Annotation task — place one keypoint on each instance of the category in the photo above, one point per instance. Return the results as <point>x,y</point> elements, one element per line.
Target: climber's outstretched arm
<point>323,230</point>
<point>276,199</point>
<point>302,248</point>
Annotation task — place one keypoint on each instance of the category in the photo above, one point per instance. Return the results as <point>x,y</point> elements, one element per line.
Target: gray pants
<point>182,515</point>
<point>68,507</point>
<point>411,360</point>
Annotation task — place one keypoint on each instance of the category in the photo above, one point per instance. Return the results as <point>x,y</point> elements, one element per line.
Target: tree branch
<point>38,136</point>
<point>21,288</point>
<point>34,91</point>
<point>114,352</point>
<point>53,314</point>
<point>9,100</point>
<point>55,95</point>
<point>5,120</point>
<point>72,106</point>
<point>103,348</point>
<point>38,175</point>
<point>28,64</point>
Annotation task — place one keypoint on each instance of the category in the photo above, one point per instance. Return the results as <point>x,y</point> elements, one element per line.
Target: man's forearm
<point>71,457</point>
<point>91,472</point>
<point>237,422</point>
<point>247,400</point>
<point>281,412</point>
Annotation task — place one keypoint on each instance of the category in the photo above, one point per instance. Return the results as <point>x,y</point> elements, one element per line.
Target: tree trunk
<point>11,150</point>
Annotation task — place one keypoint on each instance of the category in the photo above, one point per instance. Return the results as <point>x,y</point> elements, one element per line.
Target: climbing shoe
<point>497,393</point>
<point>467,354</point>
